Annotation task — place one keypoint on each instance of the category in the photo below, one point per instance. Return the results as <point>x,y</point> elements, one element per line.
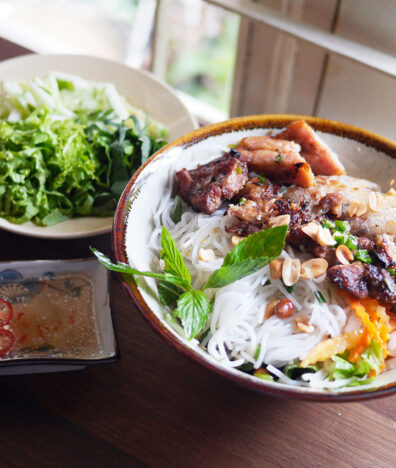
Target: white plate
<point>140,88</point>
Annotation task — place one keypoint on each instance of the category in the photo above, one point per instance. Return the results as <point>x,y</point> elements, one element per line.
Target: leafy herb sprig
<point>192,306</point>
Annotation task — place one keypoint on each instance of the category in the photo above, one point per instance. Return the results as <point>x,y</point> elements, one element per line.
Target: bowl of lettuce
<point>73,130</point>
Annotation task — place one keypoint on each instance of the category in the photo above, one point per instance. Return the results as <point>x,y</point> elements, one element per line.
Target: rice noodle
<point>236,326</point>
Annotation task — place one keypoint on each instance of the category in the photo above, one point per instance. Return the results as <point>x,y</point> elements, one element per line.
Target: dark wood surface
<point>156,408</point>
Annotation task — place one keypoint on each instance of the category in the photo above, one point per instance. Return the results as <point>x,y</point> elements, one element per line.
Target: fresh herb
<point>262,179</point>
<point>327,223</point>
<point>174,287</point>
<point>289,289</point>
<point>250,255</point>
<point>392,271</point>
<point>238,170</point>
<point>232,146</point>
<point>267,283</point>
<point>177,210</point>
<point>193,308</point>
<point>242,201</point>
<point>363,256</point>
<point>319,296</point>
<point>339,367</point>
<point>58,169</point>
<point>278,158</point>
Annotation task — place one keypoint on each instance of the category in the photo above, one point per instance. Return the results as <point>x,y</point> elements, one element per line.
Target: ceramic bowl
<point>363,153</point>
<point>140,88</point>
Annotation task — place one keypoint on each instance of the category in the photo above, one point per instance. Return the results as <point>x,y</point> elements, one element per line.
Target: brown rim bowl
<point>367,140</point>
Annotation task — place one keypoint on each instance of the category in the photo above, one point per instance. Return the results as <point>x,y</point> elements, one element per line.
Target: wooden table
<point>154,407</point>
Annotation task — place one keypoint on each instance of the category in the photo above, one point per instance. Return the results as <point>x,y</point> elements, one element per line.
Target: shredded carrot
<point>376,322</point>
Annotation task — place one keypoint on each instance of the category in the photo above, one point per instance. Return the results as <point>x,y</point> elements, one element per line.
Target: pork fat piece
<point>206,187</point>
<point>322,160</point>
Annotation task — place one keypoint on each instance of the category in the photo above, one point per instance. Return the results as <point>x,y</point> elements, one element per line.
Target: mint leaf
<point>193,309</point>
<point>249,256</point>
<point>229,274</point>
<point>177,210</point>
<point>168,293</point>
<point>174,262</point>
<point>268,243</point>
<point>128,270</point>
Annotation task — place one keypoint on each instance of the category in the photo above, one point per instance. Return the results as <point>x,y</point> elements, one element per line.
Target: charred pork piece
<point>363,281</point>
<point>279,160</point>
<point>385,250</point>
<point>206,187</point>
<point>315,151</point>
<point>353,201</point>
<point>350,278</point>
<point>261,202</point>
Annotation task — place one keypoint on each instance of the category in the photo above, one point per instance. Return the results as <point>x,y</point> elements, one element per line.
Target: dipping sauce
<point>52,316</point>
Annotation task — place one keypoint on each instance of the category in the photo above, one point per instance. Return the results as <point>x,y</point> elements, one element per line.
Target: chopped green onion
<point>391,285</point>
<point>363,256</point>
<point>342,226</point>
<point>289,289</point>
<point>257,351</point>
<point>278,158</point>
<point>352,242</point>
<point>319,297</point>
<point>340,237</point>
<point>231,146</point>
<point>267,283</point>
<point>392,271</point>
<point>242,201</point>
<point>328,223</point>
<point>262,179</point>
<point>238,170</point>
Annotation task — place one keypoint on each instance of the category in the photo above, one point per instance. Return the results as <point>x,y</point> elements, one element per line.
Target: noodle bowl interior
<point>243,332</point>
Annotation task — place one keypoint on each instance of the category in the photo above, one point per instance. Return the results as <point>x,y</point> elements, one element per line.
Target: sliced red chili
<point>7,340</point>
<point>5,312</point>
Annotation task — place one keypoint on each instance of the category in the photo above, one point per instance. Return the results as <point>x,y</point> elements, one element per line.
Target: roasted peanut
<point>206,255</point>
<point>313,268</point>
<point>291,271</point>
<point>303,325</point>
<point>311,230</point>
<point>376,201</point>
<point>276,268</point>
<point>344,255</point>
<point>324,237</point>
<point>283,220</point>
<point>357,208</point>
<point>270,308</point>
<point>235,240</point>
<point>284,309</point>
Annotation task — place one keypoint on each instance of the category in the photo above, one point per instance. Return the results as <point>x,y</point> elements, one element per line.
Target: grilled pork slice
<point>206,187</point>
<point>262,200</point>
<point>277,159</point>
<point>365,280</point>
<point>314,150</point>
